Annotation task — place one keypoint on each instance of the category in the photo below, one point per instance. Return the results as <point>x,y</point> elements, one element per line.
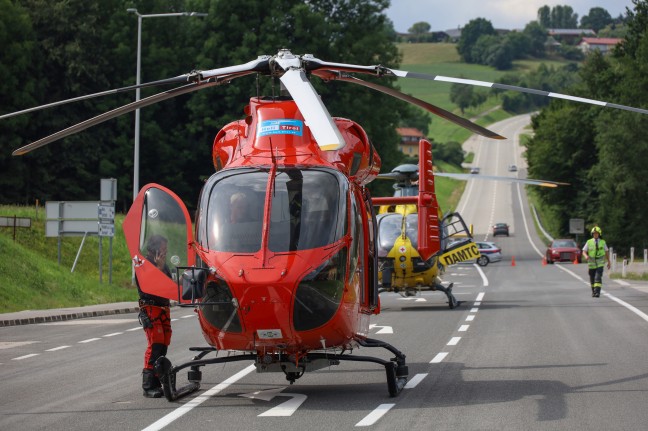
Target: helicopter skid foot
<point>167,375</point>
<point>396,369</point>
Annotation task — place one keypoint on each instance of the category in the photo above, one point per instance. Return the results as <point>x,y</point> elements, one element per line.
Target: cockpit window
<point>308,210</point>
<point>390,227</point>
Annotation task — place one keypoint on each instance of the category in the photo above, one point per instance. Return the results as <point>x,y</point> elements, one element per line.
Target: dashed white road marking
<point>480,296</point>
<point>134,329</point>
<point>474,310</point>
<point>415,381</point>
<point>20,358</point>
<point>113,334</point>
<point>54,349</point>
<point>470,318</point>
<point>439,357</point>
<point>454,341</point>
<point>89,340</point>
<point>464,328</point>
<point>375,415</point>
<point>477,303</point>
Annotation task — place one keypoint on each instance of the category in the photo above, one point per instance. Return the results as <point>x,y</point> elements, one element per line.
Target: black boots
<point>596,292</point>
<point>151,384</point>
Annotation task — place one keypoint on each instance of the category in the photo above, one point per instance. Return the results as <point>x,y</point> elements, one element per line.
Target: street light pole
<point>136,151</point>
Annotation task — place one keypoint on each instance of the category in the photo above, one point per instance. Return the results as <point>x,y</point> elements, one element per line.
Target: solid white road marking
<point>439,357</point>
<point>635,310</point>
<point>57,348</point>
<point>20,358</point>
<point>181,411</point>
<point>464,328</point>
<point>453,341</point>
<point>375,415</point>
<point>89,340</point>
<point>415,381</point>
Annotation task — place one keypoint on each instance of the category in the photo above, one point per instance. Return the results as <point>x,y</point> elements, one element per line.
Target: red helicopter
<point>281,262</point>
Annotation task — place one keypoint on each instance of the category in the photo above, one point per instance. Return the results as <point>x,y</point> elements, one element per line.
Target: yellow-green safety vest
<point>596,254</point>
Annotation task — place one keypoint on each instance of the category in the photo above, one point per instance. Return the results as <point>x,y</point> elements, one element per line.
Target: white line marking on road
<point>54,349</point>
<point>474,310</point>
<point>470,318</point>
<point>113,334</point>
<point>464,328</point>
<point>635,310</point>
<point>134,329</point>
<point>89,340</point>
<point>453,341</point>
<point>480,296</point>
<point>477,303</point>
<point>20,358</point>
<point>439,357</point>
<point>415,381</point>
<point>481,273</point>
<point>188,315</point>
<point>180,411</point>
<point>374,416</point>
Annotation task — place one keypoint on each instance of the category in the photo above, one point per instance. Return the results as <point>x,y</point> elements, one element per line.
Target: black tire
<point>483,260</point>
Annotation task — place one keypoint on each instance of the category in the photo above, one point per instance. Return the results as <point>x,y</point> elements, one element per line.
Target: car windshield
<point>564,243</point>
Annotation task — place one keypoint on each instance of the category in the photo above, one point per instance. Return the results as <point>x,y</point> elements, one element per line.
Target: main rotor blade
<point>466,124</point>
<point>176,80</point>
<point>530,181</point>
<point>317,117</point>
<point>122,110</point>
<point>313,64</point>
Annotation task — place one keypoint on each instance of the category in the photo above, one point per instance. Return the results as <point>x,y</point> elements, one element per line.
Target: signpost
<point>576,227</point>
<point>83,218</point>
<point>15,222</point>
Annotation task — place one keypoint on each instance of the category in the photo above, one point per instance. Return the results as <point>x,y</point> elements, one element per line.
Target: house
<point>409,143</point>
<point>604,45</point>
<point>570,34</point>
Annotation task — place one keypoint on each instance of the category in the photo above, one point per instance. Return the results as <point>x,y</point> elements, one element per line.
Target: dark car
<point>563,250</point>
<point>500,229</point>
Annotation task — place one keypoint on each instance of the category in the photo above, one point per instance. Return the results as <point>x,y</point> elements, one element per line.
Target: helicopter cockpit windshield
<point>308,210</point>
<point>390,228</point>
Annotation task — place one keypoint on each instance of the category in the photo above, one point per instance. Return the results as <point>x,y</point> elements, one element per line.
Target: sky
<point>505,14</point>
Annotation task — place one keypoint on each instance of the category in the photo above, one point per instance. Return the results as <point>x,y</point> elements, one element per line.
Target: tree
<point>420,30</point>
<point>603,152</point>
<point>469,36</point>
<point>87,46</point>
<point>537,35</point>
<point>465,96</point>
<point>597,19</point>
<point>557,17</point>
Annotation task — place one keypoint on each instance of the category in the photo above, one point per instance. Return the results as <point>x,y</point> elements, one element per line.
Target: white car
<point>490,252</point>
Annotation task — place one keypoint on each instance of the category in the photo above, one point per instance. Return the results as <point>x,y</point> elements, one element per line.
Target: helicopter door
<point>158,234</point>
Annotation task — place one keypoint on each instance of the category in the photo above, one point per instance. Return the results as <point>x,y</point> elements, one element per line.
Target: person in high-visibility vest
<point>597,254</point>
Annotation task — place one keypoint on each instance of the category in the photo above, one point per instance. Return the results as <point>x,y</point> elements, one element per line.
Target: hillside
<point>31,278</point>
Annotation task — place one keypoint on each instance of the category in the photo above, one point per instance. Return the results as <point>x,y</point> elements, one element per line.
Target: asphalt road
<point>528,348</point>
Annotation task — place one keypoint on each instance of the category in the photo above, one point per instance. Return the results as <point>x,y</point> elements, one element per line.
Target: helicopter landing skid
<point>167,372</point>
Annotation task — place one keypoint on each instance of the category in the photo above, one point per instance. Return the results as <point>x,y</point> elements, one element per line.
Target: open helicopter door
<point>158,218</point>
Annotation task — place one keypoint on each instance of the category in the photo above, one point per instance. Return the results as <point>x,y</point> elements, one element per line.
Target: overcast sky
<point>508,14</point>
